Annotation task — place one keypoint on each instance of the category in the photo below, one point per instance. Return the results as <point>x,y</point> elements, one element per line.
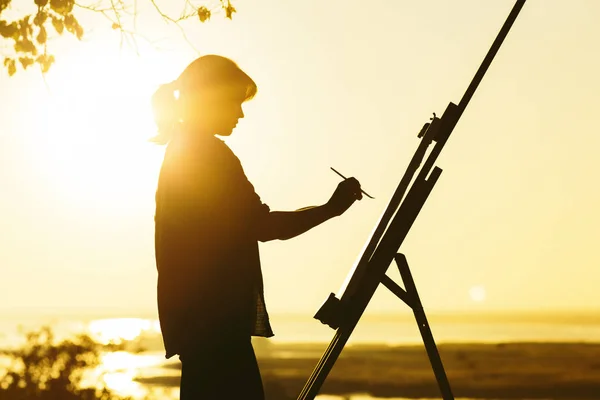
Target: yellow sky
<point>513,221</point>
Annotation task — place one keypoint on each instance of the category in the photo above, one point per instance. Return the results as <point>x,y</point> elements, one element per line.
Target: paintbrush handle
<point>343,177</point>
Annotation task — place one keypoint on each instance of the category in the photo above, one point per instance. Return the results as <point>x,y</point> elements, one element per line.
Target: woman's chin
<point>226,132</point>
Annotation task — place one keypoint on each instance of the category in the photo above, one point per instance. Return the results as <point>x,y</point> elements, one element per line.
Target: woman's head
<point>207,97</point>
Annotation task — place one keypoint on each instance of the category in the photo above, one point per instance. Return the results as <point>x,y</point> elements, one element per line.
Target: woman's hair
<point>206,73</point>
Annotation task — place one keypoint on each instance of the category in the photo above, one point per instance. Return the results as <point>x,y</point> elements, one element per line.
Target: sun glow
<point>93,129</point>
<point>119,329</point>
<point>118,370</point>
<point>477,293</point>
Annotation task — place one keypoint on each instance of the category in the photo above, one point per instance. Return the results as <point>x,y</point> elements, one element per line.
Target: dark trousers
<point>226,371</point>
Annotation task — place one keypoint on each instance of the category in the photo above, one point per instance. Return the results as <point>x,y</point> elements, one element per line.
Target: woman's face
<point>217,112</point>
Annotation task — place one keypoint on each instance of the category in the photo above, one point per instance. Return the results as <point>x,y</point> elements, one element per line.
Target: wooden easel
<point>382,247</point>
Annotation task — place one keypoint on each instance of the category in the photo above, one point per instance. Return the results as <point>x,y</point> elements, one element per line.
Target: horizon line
<point>94,312</point>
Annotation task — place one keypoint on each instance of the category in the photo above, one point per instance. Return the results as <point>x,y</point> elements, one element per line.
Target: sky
<point>512,224</point>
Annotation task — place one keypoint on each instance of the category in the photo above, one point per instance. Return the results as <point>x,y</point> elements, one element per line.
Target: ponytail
<point>166,112</point>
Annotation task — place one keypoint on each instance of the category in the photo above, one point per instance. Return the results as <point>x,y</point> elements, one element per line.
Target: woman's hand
<point>346,193</point>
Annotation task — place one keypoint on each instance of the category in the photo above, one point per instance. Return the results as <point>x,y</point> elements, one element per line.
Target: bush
<point>43,370</point>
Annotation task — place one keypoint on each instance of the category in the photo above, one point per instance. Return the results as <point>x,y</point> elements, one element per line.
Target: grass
<point>506,370</point>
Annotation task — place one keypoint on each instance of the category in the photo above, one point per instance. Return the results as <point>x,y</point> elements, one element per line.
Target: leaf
<point>203,14</point>
<point>10,64</point>
<point>58,24</point>
<point>23,24</point>
<point>16,33</point>
<point>45,61</point>
<point>40,18</point>
<point>41,3</point>
<point>72,25</point>
<point>42,36</point>
<point>115,25</point>
<point>229,10</point>
<point>4,4</point>
<point>79,31</point>
<point>26,61</point>
<point>25,46</point>
<point>9,31</point>
<point>69,21</point>
<point>63,7</point>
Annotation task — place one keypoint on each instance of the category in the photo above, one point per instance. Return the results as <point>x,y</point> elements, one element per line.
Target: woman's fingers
<point>354,187</point>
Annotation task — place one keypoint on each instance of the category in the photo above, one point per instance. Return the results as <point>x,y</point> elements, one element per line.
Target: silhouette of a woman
<point>208,223</point>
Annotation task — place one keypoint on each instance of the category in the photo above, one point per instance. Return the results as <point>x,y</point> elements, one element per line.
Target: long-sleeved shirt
<point>209,275</point>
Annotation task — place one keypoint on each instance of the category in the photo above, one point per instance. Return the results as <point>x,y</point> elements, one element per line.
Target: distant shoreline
<point>533,315</point>
<point>503,370</point>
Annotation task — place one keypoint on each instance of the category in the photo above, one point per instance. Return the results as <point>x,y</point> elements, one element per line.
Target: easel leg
<point>417,307</point>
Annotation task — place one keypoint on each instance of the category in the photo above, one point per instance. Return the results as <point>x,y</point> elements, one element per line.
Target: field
<point>505,370</point>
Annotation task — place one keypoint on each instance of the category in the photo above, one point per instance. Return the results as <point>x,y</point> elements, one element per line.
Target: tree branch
<point>20,34</point>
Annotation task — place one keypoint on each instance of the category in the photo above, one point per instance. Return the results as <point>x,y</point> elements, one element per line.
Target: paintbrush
<point>363,192</point>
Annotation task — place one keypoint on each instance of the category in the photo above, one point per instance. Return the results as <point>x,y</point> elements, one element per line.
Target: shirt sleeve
<point>242,202</point>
